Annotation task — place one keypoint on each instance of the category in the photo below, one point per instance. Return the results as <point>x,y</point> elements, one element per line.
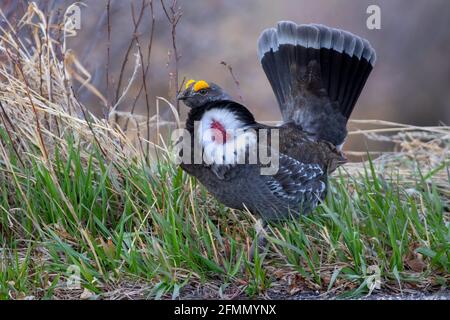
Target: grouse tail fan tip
<point>317,74</point>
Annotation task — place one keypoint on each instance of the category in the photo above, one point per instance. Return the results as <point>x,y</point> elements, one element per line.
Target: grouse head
<point>199,93</point>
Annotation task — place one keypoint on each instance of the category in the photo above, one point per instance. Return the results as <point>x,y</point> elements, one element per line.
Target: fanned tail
<point>317,74</point>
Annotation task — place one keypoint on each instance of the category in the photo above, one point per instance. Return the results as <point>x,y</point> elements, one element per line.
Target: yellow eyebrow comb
<point>201,84</point>
<point>188,84</point>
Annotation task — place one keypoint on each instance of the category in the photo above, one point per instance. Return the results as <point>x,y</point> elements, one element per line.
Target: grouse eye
<point>203,91</point>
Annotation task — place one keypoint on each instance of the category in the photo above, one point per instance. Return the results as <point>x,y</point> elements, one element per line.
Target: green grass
<point>128,229</point>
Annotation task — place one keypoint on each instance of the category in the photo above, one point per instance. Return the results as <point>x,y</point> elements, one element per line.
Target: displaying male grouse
<point>317,74</point>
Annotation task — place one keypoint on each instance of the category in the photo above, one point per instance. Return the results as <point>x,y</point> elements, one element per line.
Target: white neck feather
<point>227,150</point>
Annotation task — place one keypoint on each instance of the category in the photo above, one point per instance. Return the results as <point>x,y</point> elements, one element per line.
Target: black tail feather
<point>317,74</point>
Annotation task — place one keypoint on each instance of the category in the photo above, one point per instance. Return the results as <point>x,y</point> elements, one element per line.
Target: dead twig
<point>235,80</point>
<point>144,78</point>
<point>128,51</point>
<point>173,14</point>
<point>108,54</point>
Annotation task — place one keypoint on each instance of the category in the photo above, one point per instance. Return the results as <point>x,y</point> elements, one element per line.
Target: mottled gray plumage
<point>296,188</point>
<point>317,74</point>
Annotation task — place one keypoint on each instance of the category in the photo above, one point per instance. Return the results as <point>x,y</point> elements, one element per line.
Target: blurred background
<point>410,83</point>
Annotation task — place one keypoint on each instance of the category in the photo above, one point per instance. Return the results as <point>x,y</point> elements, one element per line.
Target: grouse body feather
<point>317,74</point>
